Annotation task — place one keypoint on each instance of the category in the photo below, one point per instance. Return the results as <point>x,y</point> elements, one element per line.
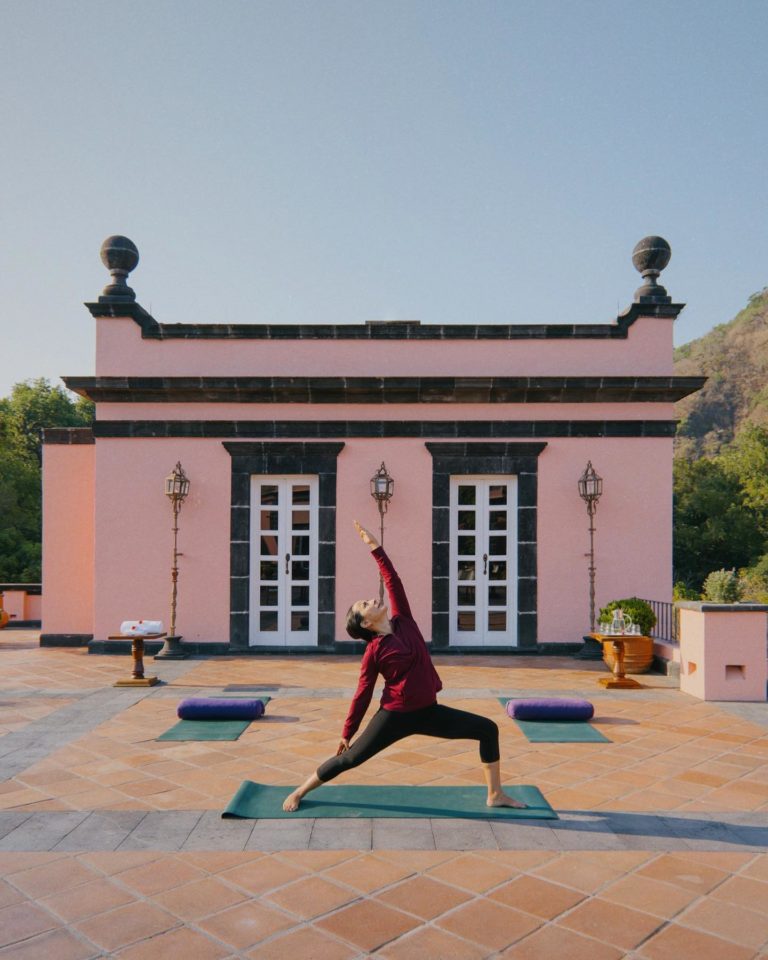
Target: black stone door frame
<point>276,458</point>
<point>515,459</point>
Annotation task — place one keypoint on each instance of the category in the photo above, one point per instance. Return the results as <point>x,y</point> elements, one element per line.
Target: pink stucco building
<point>485,429</point>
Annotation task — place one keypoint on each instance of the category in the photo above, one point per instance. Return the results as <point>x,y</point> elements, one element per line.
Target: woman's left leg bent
<point>451,724</point>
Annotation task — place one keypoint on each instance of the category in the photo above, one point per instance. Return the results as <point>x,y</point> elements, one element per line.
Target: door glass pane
<point>466,596</point>
<point>300,596</point>
<point>498,520</point>
<point>300,520</point>
<point>300,495</point>
<point>497,546</point>
<point>466,519</point>
<point>269,494</point>
<point>466,570</point>
<point>497,495</point>
<point>299,619</point>
<point>268,620</point>
<point>497,619</point>
<point>268,596</point>
<point>467,546</point>
<point>497,596</point>
<point>300,570</point>
<point>300,546</point>
<point>268,570</point>
<point>497,570</point>
<point>269,546</point>
<point>465,620</point>
<point>467,495</point>
<point>269,519</point>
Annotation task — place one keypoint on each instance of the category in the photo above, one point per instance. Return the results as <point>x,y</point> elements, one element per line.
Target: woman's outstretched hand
<point>343,746</point>
<point>366,536</point>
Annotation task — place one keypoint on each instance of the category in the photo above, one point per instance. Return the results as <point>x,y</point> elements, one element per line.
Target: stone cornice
<point>68,435</point>
<point>334,390</point>
<point>286,430</point>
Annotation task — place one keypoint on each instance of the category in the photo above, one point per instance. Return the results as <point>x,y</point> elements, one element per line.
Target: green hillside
<point>734,356</point>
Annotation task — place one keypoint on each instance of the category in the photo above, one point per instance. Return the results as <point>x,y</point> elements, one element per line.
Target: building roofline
<point>151,329</point>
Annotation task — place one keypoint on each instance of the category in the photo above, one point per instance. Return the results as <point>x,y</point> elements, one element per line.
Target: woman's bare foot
<point>503,800</point>
<point>291,802</point>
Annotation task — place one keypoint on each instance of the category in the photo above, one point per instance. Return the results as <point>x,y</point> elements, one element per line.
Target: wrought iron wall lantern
<point>382,488</point>
<point>177,490</point>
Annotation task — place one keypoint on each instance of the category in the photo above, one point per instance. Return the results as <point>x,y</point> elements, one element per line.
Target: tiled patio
<point>111,844</point>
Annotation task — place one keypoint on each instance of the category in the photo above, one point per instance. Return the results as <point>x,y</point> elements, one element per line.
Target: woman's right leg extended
<point>385,728</point>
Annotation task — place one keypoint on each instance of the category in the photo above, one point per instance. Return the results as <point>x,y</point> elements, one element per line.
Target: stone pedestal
<point>723,650</point>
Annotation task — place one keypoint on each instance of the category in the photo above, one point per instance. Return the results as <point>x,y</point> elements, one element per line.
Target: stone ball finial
<point>650,256</point>
<point>119,255</point>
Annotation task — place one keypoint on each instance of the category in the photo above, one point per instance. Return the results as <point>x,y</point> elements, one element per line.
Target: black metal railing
<point>667,621</point>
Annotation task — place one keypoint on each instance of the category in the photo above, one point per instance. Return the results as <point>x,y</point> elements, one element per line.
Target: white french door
<point>283,583</point>
<point>483,561</point>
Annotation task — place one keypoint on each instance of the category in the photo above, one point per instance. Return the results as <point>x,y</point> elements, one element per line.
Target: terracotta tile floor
<point>104,911</point>
<point>668,753</point>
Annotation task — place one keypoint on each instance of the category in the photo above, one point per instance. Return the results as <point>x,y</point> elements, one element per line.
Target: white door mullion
<point>483,561</point>
<point>284,561</point>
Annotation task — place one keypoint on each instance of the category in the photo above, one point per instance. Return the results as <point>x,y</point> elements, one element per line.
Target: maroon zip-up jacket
<point>401,657</point>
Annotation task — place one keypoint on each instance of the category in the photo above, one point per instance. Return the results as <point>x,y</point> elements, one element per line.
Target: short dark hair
<point>355,627</point>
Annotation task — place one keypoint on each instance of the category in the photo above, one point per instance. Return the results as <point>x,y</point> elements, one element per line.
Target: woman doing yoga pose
<point>396,650</point>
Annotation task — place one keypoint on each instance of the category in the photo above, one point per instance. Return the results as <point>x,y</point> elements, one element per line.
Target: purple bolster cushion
<point>221,708</point>
<point>550,708</point>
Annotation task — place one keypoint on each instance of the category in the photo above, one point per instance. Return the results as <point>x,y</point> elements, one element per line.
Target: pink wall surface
<point>120,351</point>
<point>386,411</point>
<point>134,540</point>
<point>633,539</point>
<point>33,607</point>
<point>133,532</point>
<point>133,517</point>
<point>723,654</point>
<point>407,525</point>
<point>68,538</point>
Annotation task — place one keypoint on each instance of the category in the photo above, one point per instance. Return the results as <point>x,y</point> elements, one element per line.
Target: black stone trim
<point>396,330</point>
<point>67,640</point>
<point>321,390</point>
<point>521,459</point>
<point>67,435</point>
<point>31,589</point>
<point>110,308</point>
<point>250,458</point>
<point>306,429</point>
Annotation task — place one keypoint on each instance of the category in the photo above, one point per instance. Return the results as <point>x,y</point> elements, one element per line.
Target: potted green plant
<point>638,648</point>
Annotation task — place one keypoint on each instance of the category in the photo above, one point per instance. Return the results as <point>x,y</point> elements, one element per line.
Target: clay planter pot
<point>638,653</point>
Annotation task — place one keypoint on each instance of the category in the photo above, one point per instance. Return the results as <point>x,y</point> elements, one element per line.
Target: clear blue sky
<point>326,161</point>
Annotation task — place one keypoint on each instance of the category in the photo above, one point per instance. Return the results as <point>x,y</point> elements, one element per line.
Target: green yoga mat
<point>210,729</point>
<point>206,730</point>
<point>558,731</point>
<point>258,801</point>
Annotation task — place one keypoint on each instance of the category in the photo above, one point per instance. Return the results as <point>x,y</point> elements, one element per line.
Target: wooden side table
<point>618,680</point>
<point>137,652</point>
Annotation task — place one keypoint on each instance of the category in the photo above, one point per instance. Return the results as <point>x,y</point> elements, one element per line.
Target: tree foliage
<point>714,528</point>
<point>32,406</point>
<point>721,514</point>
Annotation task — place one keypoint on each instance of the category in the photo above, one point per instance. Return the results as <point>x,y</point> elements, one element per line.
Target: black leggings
<point>389,726</point>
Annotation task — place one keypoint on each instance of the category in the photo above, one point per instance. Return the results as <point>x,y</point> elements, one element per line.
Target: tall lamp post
<point>590,490</point>
<point>176,489</point>
<point>382,487</point>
